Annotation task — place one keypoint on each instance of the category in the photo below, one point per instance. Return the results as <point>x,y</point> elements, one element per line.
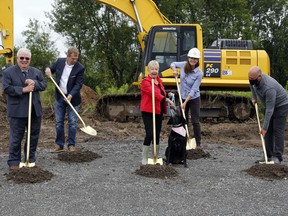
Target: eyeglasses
<point>26,58</point>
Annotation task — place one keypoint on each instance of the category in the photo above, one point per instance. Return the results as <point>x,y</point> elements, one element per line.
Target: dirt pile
<point>29,175</point>
<point>157,171</point>
<point>79,156</point>
<point>195,154</point>
<point>269,171</point>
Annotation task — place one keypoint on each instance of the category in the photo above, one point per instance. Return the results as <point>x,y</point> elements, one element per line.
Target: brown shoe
<point>57,149</point>
<point>14,167</point>
<point>71,149</point>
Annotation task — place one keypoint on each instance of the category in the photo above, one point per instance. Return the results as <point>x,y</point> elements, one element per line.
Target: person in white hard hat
<point>190,80</point>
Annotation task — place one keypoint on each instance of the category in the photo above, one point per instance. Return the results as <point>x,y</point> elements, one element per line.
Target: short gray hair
<point>24,50</point>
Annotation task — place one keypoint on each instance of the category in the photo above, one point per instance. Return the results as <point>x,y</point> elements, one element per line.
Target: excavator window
<point>170,44</point>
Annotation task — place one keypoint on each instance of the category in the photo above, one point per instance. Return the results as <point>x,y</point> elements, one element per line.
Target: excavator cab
<point>169,43</point>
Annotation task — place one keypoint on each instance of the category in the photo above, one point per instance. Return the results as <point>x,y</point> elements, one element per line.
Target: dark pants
<point>194,107</point>
<point>148,122</point>
<point>274,138</point>
<point>17,131</point>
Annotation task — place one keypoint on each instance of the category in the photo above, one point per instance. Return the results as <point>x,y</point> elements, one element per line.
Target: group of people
<point>21,79</point>
<point>265,88</point>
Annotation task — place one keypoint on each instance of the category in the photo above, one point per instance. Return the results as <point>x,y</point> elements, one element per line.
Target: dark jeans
<point>194,107</point>
<point>61,106</point>
<point>17,131</point>
<point>148,122</point>
<point>274,138</point>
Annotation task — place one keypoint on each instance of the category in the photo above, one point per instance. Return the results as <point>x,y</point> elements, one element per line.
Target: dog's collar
<point>179,125</point>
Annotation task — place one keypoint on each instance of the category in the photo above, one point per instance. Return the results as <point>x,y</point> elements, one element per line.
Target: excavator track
<point>117,107</point>
<point>214,107</point>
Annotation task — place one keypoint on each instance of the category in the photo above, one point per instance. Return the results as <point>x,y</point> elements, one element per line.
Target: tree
<point>38,41</point>
<point>271,23</point>
<point>106,40</point>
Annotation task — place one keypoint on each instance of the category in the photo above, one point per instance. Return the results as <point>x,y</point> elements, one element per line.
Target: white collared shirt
<point>64,78</point>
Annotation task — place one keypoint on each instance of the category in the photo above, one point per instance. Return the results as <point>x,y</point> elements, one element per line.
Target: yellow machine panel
<point>6,30</point>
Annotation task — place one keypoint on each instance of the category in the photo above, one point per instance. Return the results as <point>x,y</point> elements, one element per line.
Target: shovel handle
<point>183,112</point>
<point>29,128</point>
<point>154,121</point>
<point>67,100</point>
<point>262,138</point>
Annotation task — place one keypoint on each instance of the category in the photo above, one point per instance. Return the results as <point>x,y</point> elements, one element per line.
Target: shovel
<point>86,129</point>
<point>191,143</point>
<point>262,139</point>
<point>154,160</point>
<point>26,163</point>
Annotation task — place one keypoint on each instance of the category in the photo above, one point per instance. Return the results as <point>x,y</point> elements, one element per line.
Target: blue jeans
<point>61,106</point>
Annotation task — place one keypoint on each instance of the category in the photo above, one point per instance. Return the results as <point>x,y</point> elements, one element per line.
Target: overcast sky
<point>25,9</point>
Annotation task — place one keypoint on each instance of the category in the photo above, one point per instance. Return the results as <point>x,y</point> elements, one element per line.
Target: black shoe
<point>262,160</point>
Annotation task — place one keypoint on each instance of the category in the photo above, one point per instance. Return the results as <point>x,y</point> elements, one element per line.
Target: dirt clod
<point>29,175</point>
<point>157,171</point>
<point>78,156</point>
<point>269,171</point>
<point>195,154</point>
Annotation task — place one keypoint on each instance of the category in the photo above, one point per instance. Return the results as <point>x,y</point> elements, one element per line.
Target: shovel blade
<point>89,130</point>
<point>268,162</point>
<point>158,161</point>
<point>191,144</point>
<point>26,164</point>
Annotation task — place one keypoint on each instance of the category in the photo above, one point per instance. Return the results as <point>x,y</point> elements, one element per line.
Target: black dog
<point>176,151</point>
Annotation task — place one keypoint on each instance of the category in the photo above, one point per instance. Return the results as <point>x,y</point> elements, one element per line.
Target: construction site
<point>105,176</point>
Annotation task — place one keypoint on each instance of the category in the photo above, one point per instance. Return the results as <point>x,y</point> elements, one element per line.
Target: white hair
<point>24,50</point>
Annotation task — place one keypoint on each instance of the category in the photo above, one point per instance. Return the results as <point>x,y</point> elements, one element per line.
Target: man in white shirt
<point>69,76</point>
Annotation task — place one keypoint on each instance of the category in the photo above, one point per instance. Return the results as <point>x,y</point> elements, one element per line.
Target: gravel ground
<point>109,186</point>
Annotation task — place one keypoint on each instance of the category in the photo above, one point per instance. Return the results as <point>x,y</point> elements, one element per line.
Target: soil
<point>244,134</point>
<point>29,175</point>
<point>79,156</point>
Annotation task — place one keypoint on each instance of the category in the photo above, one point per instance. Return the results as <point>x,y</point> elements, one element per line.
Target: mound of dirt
<point>269,171</point>
<point>29,175</point>
<point>195,154</point>
<point>78,156</point>
<point>157,171</point>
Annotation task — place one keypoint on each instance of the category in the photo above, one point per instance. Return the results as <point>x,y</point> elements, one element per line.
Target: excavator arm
<point>6,30</point>
<point>144,19</point>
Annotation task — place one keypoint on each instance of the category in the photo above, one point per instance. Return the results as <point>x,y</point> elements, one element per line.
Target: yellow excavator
<point>6,40</point>
<point>6,31</point>
<point>225,64</point>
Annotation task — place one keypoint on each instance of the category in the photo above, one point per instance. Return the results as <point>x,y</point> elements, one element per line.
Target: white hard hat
<point>194,53</point>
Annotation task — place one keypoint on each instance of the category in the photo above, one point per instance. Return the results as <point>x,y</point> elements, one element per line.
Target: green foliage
<point>106,40</point>
<point>247,94</point>
<point>113,90</point>
<point>38,41</point>
<point>2,61</point>
<point>47,96</point>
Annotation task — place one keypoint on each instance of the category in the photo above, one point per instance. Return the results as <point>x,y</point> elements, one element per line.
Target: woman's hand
<point>175,73</point>
<point>183,105</point>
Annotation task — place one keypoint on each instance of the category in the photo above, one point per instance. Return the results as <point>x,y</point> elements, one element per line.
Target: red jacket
<point>146,96</point>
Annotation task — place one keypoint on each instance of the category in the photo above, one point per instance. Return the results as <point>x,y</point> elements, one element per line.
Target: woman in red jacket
<point>146,107</point>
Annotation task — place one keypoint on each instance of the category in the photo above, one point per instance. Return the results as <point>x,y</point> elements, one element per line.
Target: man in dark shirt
<point>275,100</point>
